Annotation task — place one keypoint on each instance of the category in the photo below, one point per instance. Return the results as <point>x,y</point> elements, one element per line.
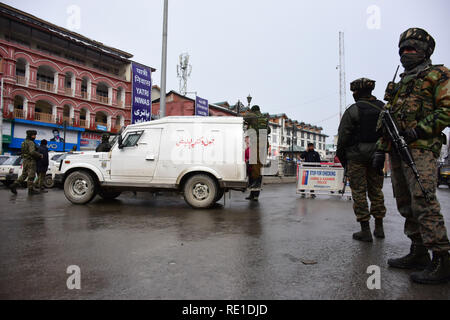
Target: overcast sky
<point>283,52</point>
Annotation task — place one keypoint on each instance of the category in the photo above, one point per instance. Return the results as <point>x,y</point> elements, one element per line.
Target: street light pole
<point>162,104</point>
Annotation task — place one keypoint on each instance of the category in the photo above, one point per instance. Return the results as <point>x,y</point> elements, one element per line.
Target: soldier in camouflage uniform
<point>105,145</point>
<point>420,105</point>
<point>257,122</point>
<point>29,156</point>
<point>356,148</point>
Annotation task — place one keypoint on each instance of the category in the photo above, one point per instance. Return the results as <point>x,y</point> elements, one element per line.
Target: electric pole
<point>341,66</point>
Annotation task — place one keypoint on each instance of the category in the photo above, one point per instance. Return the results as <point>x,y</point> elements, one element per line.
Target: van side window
<point>132,139</point>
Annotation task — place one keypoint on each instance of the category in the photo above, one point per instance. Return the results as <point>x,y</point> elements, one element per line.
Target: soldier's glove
<point>378,161</point>
<point>411,135</point>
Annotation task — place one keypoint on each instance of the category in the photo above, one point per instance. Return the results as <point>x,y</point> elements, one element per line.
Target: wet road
<point>158,248</point>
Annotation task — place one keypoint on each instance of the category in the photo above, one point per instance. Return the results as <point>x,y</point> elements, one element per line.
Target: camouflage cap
<point>255,108</point>
<point>362,84</point>
<point>418,39</point>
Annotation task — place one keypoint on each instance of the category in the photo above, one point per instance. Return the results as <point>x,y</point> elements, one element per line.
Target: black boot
<point>379,230</point>
<point>13,187</point>
<point>418,258</point>
<point>437,271</point>
<point>365,234</point>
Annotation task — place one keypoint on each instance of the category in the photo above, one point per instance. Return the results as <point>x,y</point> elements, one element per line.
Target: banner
<point>53,135</point>
<point>320,179</point>
<point>90,140</point>
<point>201,107</point>
<point>142,94</point>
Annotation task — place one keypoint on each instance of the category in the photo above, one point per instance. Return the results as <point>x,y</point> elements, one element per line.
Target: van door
<point>136,162</point>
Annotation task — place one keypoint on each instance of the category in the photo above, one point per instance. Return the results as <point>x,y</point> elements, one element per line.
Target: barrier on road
<point>322,179</point>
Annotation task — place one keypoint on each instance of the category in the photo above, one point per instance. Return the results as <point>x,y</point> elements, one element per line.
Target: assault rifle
<point>345,179</point>
<point>402,148</point>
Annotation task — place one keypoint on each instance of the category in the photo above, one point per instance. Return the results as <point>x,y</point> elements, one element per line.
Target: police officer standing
<point>257,122</point>
<point>29,155</point>
<point>420,106</point>
<point>104,146</point>
<point>356,148</point>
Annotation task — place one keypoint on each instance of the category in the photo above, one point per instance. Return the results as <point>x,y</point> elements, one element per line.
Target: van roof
<point>189,119</point>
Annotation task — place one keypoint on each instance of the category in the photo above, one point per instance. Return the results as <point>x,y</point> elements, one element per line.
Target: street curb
<point>278,180</point>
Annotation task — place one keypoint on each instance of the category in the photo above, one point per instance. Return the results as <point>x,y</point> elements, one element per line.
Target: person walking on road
<point>29,155</point>
<point>42,165</point>
<point>355,149</point>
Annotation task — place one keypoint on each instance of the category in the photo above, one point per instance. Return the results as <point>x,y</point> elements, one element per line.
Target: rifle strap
<point>372,104</point>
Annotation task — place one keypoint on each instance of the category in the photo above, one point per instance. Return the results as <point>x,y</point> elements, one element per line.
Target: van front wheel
<point>80,187</point>
<point>200,191</point>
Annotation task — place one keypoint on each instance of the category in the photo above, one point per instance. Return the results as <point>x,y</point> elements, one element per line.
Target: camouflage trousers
<point>424,222</point>
<point>28,173</point>
<point>365,181</point>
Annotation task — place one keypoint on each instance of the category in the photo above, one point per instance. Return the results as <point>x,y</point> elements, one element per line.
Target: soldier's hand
<point>411,135</point>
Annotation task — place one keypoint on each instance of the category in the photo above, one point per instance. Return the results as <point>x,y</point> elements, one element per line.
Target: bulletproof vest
<point>368,119</point>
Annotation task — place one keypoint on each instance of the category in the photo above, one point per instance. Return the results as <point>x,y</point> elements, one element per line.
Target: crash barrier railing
<point>322,179</point>
<point>290,168</point>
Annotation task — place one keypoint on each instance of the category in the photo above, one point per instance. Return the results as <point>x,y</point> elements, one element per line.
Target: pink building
<point>52,75</point>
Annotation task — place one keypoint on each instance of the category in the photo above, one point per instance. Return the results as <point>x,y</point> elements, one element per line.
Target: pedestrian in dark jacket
<point>42,165</point>
<point>310,156</point>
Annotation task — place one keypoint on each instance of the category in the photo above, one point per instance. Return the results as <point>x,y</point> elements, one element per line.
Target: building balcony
<point>43,117</point>
<point>47,86</point>
<point>83,123</point>
<point>68,91</point>
<point>22,80</point>
<point>121,104</point>
<point>102,99</point>
<point>84,95</point>
<point>19,114</point>
<point>68,120</point>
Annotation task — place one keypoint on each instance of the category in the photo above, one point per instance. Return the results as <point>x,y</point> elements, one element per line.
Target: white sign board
<point>320,179</point>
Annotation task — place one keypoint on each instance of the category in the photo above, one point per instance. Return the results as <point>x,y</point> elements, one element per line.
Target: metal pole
<point>64,141</point>
<point>1,117</point>
<point>162,104</point>
<point>342,89</point>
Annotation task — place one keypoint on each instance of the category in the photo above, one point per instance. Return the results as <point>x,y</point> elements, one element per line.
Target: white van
<point>202,157</point>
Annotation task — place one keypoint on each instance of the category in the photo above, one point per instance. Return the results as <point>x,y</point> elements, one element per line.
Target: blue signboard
<point>201,107</point>
<point>142,94</point>
<point>102,128</point>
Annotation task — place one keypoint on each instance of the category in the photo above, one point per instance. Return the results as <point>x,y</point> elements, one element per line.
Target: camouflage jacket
<point>29,150</point>
<point>422,100</point>
<point>257,121</point>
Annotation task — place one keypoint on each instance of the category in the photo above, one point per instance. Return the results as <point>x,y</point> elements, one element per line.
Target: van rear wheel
<point>200,191</point>
<point>48,181</point>
<point>79,187</point>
